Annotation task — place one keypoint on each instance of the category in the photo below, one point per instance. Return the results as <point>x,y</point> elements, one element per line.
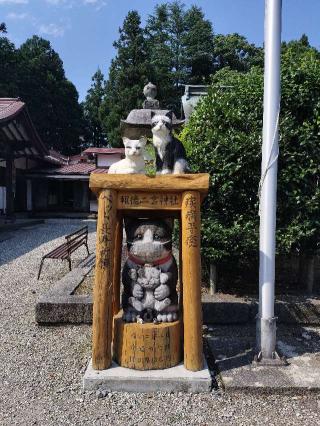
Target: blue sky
<point>82,31</point>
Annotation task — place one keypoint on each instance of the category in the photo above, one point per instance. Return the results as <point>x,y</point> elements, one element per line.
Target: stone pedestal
<point>174,379</point>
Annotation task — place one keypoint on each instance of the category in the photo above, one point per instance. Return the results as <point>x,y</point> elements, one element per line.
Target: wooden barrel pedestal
<point>147,346</point>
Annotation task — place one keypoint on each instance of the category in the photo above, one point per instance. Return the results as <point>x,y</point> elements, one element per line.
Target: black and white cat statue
<point>150,274</point>
<point>170,153</point>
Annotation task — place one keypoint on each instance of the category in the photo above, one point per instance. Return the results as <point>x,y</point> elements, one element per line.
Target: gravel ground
<point>41,368</point>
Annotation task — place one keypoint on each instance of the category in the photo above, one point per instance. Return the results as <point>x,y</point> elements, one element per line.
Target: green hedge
<point>224,137</point>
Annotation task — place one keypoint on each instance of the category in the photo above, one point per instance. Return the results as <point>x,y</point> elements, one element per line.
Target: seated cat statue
<point>150,272</point>
<point>134,161</point>
<point>170,153</point>
<point>147,279</point>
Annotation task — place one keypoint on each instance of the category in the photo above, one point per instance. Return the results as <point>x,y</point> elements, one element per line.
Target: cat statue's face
<point>134,148</point>
<point>148,240</point>
<point>161,125</point>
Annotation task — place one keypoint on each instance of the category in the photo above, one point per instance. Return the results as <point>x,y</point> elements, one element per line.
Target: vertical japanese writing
<point>192,227</point>
<point>104,236</point>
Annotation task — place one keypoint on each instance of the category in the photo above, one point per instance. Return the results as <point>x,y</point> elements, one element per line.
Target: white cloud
<point>56,2</point>
<point>97,4</point>
<point>17,16</point>
<point>52,30</point>
<point>9,2</point>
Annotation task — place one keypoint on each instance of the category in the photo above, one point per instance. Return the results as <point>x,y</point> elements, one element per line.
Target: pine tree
<point>165,31</point>
<point>160,54</point>
<point>92,107</point>
<point>3,28</point>
<point>177,30</point>
<point>199,47</point>
<point>129,72</point>
<point>52,99</point>
<point>8,69</point>
<point>180,46</point>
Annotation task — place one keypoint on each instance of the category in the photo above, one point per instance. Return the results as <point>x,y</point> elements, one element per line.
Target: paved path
<point>41,368</point>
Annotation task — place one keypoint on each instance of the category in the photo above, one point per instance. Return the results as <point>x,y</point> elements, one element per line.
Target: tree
<point>223,138</point>
<point>180,47</point>
<point>177,30</point>
<point>199,46</point>
<point>92,110</point>
<point>3,28</point>
<point>235,52</point>
<point>8,69</point>
<point>129,72</point>
<point>51,98</point>
<point>160,54</point>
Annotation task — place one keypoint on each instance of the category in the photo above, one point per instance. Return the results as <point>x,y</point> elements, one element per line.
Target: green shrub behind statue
<point>224,137</point>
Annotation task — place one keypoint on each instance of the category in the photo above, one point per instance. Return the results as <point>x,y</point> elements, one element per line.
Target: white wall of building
<point>104,160</point>
<point>93,206</point>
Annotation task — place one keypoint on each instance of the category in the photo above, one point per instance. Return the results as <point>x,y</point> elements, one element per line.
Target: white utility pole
<point>266,322</point>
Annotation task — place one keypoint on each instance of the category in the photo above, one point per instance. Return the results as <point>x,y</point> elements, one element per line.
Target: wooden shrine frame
<point>177,196</point>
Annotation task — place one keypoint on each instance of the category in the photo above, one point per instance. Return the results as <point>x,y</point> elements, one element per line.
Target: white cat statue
<point>134,161</point>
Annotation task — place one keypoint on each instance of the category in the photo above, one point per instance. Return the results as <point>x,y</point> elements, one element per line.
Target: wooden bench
<point>73,242</point>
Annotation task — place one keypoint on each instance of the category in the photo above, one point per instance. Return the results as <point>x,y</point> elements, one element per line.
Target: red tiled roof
<point>107,151</point>
<point>10,107</point>
<point>73,169</point>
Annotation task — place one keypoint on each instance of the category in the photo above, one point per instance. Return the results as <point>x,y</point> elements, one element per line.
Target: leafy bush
<point>224,137</point>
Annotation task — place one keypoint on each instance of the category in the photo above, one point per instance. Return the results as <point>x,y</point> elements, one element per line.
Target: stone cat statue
<point>150,272</point>
<point>134,157</point>
<point>147,279</point>
<point>170,153</point>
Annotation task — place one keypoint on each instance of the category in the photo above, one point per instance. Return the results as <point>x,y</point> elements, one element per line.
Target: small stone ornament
<point>150,92</point>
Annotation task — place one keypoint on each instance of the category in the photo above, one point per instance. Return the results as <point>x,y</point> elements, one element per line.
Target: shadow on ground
<point>233,346</point>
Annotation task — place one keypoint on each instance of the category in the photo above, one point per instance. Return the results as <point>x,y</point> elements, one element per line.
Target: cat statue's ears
<point>143,140</point>
<point>132,222</point>
<point>168,114</point>
<point>125,140</point>
<point>169,222</point>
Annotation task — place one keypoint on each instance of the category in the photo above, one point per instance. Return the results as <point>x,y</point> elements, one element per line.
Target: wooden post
<point>9,184</point>
<point>117,264</point>
<point>192,314</point>
<point>213,278</point>
<point>180,268</point>
<point>102,295</point>
<point>310,273</point>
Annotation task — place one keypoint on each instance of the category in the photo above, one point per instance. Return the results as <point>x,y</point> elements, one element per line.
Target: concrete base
<point>60,305</point>
<point>120,379</point>
<point>231,348</point>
